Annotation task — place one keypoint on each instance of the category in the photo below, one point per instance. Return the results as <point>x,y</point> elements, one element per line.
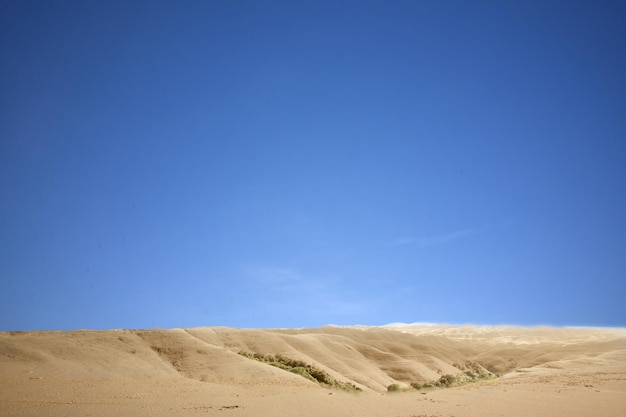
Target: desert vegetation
<point>471,372</point>
<point>303,369</point>
<point>398,388</point>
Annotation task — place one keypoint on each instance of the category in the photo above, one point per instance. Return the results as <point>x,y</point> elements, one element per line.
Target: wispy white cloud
<point>435,240</point>
<point>272,275</point>
<point>288,291</point>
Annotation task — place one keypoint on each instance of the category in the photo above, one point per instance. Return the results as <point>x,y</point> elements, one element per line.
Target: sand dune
<point>198,371</point>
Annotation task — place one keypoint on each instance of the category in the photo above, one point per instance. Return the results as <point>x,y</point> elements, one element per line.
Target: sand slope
<point>198,371</point>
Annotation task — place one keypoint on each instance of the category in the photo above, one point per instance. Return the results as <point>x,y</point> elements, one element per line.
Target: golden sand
<point>542,371</point>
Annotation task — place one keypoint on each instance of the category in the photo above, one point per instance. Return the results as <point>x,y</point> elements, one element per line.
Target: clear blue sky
<point>293,164</point>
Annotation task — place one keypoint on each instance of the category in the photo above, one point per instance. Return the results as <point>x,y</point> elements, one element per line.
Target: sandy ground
<point>191,372</point>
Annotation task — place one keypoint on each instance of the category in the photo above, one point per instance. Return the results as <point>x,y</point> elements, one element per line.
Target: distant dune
<point>541,371</point>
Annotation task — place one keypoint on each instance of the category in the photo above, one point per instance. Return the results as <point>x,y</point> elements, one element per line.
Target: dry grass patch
<point>472,372</point>
<point>303,369</point>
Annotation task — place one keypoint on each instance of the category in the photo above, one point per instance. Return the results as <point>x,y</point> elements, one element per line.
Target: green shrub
<point>472,372</point>
<point>446,380</point>
<point>303,369</point>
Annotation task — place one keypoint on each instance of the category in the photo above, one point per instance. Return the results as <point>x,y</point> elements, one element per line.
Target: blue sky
<point>295,164</point>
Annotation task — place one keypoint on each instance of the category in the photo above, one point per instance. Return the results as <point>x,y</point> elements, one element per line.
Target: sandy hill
<point>541,371</point>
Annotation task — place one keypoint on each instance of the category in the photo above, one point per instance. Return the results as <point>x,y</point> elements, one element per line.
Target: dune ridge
<point>112,371</point>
